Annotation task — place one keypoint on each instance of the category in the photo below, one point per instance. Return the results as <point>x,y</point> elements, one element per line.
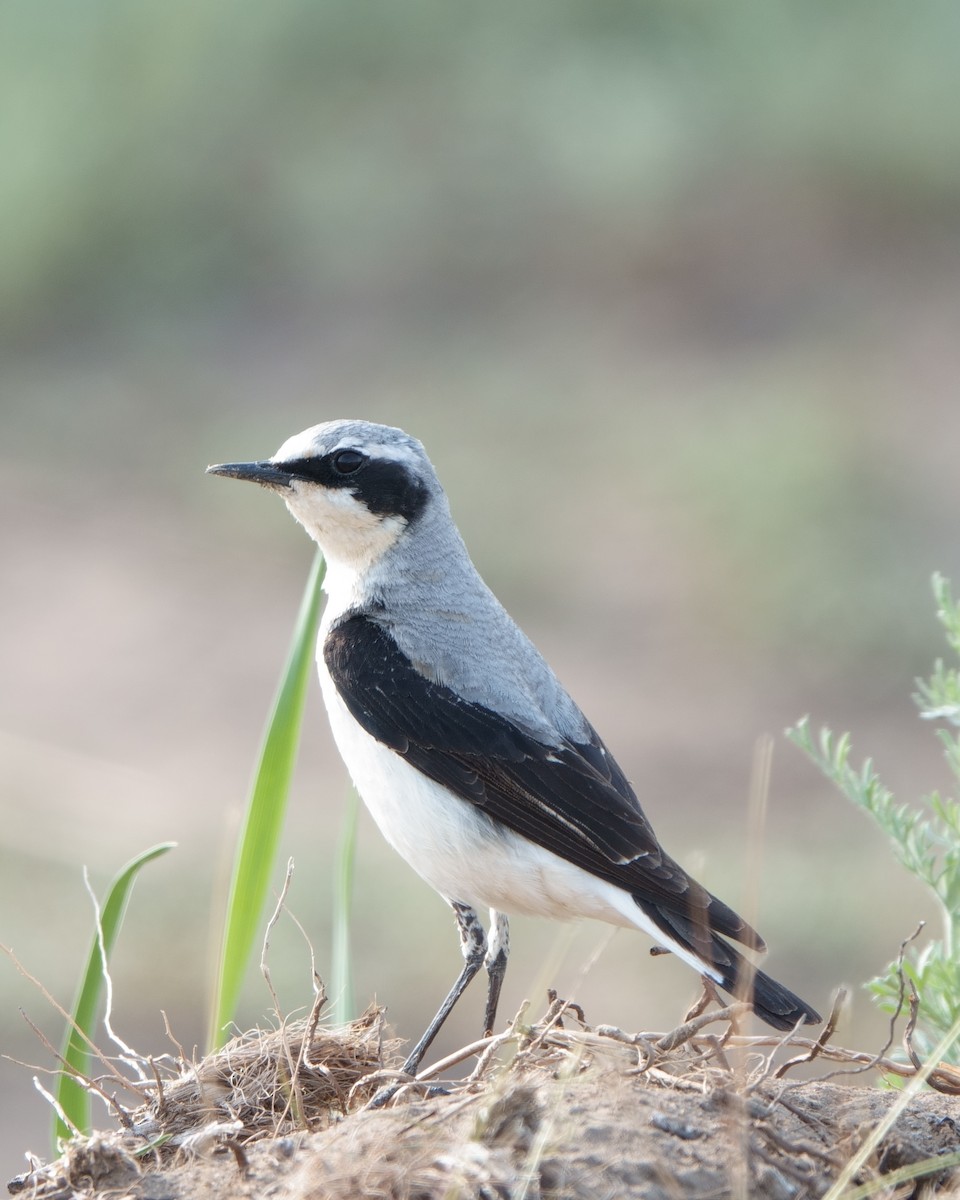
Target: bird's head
<point>354,486</point>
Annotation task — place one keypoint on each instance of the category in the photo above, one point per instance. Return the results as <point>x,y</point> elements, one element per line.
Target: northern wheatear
<point>476,764</point>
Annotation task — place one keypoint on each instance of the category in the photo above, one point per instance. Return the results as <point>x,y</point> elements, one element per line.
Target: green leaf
<point>257,849</point>
<point>74,1100</point>
<point>341,970</point>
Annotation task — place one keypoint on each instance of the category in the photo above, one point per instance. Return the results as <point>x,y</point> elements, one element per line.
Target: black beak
<point>266,473</point>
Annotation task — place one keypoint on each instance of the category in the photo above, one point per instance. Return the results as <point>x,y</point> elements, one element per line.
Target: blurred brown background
<point>670,292</point>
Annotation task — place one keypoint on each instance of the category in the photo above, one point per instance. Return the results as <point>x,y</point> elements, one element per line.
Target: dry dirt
<point>551,1110</point>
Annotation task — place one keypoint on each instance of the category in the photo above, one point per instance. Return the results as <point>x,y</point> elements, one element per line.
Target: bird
<point>474,761</point>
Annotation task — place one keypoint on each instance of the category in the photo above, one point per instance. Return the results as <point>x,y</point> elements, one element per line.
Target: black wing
<point>572,799</point>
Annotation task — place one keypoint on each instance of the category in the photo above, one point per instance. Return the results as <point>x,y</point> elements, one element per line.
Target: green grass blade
<point>341,968</point>
<point>257,849</point>
<point>73,1099</point>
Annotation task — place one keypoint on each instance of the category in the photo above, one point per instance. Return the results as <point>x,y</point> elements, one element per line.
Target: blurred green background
<point>669,290</point>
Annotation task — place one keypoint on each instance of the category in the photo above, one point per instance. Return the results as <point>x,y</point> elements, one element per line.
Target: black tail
<point>771,1001</point>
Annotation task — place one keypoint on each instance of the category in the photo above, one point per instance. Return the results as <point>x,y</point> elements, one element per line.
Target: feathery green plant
<point>925,839</point>
<point>74,1099</point>
<point>263,821</point>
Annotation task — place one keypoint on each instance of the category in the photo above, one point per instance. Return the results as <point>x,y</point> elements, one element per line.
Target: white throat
<point>352,538</point>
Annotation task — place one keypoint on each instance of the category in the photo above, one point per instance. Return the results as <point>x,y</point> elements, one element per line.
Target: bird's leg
<point>498,950</point>
<point>473,944</point>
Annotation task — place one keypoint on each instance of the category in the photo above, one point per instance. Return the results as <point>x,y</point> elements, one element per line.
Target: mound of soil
<point>548,1112</point>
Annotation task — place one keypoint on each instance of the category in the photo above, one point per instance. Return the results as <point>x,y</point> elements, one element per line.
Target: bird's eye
<point>345,462</point>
